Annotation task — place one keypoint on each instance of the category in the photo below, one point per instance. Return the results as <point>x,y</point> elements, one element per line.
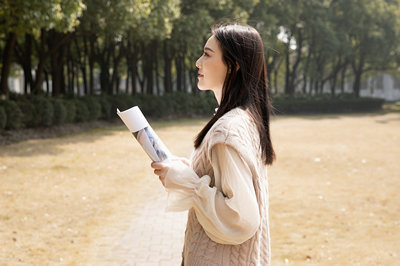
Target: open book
<point>145,135</point>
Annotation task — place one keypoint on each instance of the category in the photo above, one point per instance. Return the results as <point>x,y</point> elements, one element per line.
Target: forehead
<point>212,43</point>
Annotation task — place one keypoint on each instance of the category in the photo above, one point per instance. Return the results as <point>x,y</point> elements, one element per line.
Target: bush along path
<point>30,111</point>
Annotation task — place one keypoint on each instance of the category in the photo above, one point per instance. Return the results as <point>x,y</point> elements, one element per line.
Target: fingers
<point>158,165</point>
<point>161,170</point>
<point>182,159</point>
<point>162,180</point>
<point>186,161</point>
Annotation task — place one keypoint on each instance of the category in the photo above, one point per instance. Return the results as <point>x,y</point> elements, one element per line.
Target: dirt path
<point>92,199</point>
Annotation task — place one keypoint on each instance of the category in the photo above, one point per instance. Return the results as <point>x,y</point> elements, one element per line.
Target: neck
<point>218,95</point>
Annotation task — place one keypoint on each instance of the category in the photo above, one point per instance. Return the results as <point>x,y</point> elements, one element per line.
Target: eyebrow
<point>208,48</point>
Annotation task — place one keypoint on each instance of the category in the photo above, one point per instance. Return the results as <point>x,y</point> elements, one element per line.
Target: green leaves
<point>23,16</point>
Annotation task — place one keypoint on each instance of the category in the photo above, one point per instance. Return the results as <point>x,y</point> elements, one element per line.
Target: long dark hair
<point>245,83</point>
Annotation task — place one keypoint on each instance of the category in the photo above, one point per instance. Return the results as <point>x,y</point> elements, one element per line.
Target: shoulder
<point>235,125</point>
<point>237,130</point>
<point>232,119</point>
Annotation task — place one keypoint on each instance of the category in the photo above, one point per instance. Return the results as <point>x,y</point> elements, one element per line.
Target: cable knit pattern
<point>237,129</point>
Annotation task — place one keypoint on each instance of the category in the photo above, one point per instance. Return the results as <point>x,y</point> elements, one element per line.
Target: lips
<point>199,75</point>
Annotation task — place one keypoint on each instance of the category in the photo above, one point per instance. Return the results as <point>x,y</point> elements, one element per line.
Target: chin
<point>200,87</point>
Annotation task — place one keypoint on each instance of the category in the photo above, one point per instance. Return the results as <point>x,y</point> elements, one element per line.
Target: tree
<point>19,17</point>
<point>372,31</point>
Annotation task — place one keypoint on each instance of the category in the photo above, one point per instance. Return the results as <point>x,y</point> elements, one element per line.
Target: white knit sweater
<point>236,132</point>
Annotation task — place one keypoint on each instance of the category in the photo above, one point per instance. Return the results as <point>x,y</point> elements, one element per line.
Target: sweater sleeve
<point>228,214</point>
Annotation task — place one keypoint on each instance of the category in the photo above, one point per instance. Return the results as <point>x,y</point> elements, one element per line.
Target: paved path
<point>147,235</point>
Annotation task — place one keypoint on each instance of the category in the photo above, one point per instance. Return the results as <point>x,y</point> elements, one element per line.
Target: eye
<point>206,54</point>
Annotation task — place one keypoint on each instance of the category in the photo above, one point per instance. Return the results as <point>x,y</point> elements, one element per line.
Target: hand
<point>183,160</point>
<point>160,169</point>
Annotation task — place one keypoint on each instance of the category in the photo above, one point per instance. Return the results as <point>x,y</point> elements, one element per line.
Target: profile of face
<point>212,68</point>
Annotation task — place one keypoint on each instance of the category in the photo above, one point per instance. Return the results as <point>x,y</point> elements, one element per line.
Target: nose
<point>198,62</point>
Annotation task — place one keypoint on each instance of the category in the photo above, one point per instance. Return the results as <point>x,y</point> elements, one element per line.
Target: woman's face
<point>212,69</point>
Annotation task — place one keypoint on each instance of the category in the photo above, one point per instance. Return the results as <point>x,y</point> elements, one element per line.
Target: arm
<point>228,215</point>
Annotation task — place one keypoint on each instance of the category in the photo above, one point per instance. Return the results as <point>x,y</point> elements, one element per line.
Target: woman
<point>225,186</point>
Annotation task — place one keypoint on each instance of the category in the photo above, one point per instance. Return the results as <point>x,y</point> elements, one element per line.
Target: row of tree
<point>154,44</point>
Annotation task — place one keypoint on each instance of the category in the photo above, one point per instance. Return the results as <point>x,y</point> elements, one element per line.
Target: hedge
<point>71,110</point>
<point>32,111</point>
<point>13,114</point>
<point>82,111</point>
<point>324,104</point>
<point>93,106</point>
<point>29,114</point>
<point>45,110</point>
<point>3,118</point>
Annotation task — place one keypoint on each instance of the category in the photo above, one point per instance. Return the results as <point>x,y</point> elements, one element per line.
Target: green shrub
<point>3,118</point>
<point>30,117</point>
<point>93,106</point>
<point>121,102</point>
<point>45,110</point>
<point>82,111</point>
<point>130,100</point>
<point>325,104</point>
<point>60,112</point>
<point>71,110</point>
<point>13,114</point>
<point>105,104</point>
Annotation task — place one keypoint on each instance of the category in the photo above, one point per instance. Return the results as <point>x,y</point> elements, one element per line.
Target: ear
<point>237,68</point>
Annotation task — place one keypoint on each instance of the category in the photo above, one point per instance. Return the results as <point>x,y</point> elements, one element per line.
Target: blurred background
<point>60,58</point>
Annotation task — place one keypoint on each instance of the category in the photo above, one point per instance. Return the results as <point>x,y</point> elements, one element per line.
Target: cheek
<point>221,73</point>
<point>218,71</point>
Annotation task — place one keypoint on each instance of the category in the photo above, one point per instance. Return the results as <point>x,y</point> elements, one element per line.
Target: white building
<point>383,85</point>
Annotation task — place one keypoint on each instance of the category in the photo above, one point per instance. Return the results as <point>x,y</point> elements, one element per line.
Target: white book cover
<point>137,124</point>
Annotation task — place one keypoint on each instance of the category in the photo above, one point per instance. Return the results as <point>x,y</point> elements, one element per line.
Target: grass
<point>333,190</point>
<point>391,106</point>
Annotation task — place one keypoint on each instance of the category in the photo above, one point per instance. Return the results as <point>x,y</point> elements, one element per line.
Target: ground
<point>91,198</point>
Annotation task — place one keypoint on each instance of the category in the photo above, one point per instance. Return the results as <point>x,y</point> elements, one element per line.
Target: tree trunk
<point>358,70</point>
<point>92,58</point>
<point>42,57</point>
<point>117,83</point>
<point>287,74</point>
<point>357,83</point>
<point>104,61</point>
<point>83,61</point>
<point>276,80</point>
<point>293,74</point>
<point>342,79</point>
<point>70,70</point>
<point>333,85</point>
<point>184,82</point>
<point>57,63</point>
<point>28,63</point>
<point>6,63</point>
<point>127,81</point>
<point>148,68</point>
<point>270,67</point>
<point>116,61</point>
<point>156,74</point>
<point>133,73</point>
<point>178,67</point>
<point>78,89</point>
<point>46,76</point>
<point>167,68</point>
<point>311,84</point>
<point>307,63</point>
